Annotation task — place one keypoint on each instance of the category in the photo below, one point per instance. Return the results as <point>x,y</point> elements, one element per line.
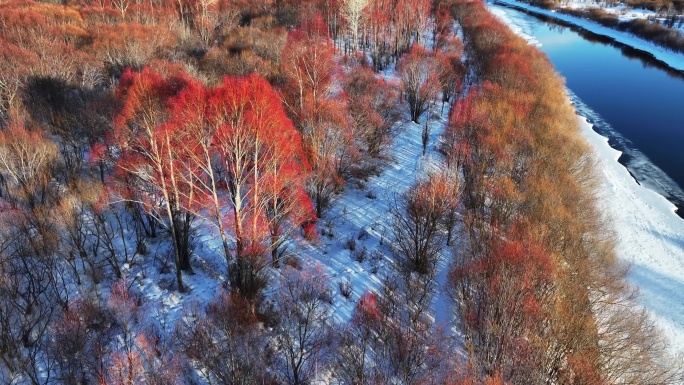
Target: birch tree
<point>353,12</point>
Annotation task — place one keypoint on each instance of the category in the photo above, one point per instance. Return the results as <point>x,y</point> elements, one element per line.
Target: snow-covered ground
<point>672,59</point>
<point>622,11</point>
<point>361,215</point>
<point>650,236</point>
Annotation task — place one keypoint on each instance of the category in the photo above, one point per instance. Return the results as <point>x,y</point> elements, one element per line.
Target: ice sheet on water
<point>639,165</point>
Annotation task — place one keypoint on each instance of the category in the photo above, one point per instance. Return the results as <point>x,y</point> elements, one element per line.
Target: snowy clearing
<point>623,12</point>
<point>361,215</point>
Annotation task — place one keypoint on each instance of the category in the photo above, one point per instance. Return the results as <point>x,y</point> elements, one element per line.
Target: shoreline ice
<point>649,236</point>
<point>672,59</point>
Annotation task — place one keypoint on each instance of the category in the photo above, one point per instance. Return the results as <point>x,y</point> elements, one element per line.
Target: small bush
<point>292,262</point>
<point>327,296</point>
<point>346,287</point>
<point>329,229</point>
<point>362,171</point>
<point>375,258</point>
<point>350,244</point>
<point>360,255</point>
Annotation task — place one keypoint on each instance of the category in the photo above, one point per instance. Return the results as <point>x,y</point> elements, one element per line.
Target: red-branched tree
<point>373,108</point>
<point>410,22</point>
<point>379,34</point>
<point>502,300</point>
<point>419,79</point>
<point>450,69</point>
<point>355,342</point>
<point>185,150</point>
<point>262,163</point>
<point>309,68</point>
<point>149,151</point>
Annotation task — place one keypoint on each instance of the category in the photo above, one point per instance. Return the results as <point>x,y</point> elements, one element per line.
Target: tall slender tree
<point>149,149</point>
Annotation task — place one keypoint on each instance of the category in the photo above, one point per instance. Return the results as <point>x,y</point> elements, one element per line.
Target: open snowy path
<point>361,215</point>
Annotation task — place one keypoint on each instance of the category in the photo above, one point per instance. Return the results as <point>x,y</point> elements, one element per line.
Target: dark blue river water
<point>635,102</point>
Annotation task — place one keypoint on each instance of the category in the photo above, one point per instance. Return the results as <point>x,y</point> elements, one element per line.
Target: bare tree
<point>631,349</point>
<point>419,78</point>
<point>121,6</point>
<point>355,341</point>
<point>302,329</point>
<point>79,342</point>
<point>353,12</point>
<point>26,163</point>
<point>227,342</point>
<point>417,219</point>
<point>150,153</point>
<point>410,348</point>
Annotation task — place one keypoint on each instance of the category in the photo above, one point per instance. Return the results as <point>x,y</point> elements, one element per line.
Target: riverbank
<point>671,59</point>
<point>649,234</point>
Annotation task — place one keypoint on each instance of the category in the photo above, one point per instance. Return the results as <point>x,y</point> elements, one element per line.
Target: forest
<point>171,174</point>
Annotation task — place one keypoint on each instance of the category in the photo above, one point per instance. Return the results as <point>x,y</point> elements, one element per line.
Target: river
<point>633,100</point>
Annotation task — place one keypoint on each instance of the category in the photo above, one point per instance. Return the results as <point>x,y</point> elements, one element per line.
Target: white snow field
<point>622,11</point>
<point>649,234</point>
